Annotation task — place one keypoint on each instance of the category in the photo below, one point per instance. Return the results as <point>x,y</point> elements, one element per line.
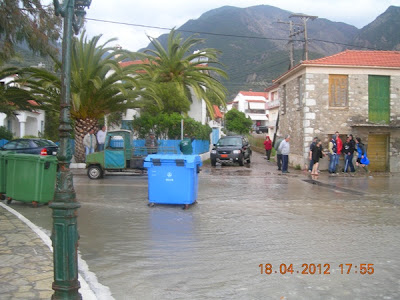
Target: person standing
<point>339,148</point>
<point>349,148</point>
<point>89,141</point>
<point>284,148</point>
<point>362,153</point>
<point>101,138</point>
<point>151,144</point>
<point>332,147</point>
<point>312,145</point>
<point>278,153</point>
<point>316,155</point>
<point>186,145</point>
<point>268,147</point>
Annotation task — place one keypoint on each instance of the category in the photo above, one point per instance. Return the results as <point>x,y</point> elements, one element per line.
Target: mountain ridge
<point>253,62</point>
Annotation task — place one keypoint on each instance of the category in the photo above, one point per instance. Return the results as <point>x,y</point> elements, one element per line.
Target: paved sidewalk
<point>26,263</point>
<point>26,260</point>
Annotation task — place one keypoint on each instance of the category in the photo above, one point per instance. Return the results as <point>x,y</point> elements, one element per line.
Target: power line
<point>224,34</point>
<point>188,31</point>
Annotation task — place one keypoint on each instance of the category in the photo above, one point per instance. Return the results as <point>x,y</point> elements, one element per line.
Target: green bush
<point>5,134</point>
<point>236,121</point>
<point>168,126</point>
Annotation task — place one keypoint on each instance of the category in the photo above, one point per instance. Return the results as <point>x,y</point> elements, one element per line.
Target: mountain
<point>383,33</point>
<point>254,40</point>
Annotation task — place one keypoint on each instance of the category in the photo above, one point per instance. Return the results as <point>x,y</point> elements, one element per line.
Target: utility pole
<point>292,34</point>
<point>305,18</point>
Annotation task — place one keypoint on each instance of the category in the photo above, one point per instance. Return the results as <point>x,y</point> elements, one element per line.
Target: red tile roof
<point>217,112</point>
<point>274,86</point>
<point>354,58</point>
<point>250,93</point>
<point>133,62</point>
<point>360,58</point>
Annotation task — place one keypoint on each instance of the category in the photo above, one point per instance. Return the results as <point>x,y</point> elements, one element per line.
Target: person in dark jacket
<point>268,147</point>
<point>277,143</point>
<point>312,145</point>
<point>316,155</point>
<point>362,152</point>
<point>348,150</point>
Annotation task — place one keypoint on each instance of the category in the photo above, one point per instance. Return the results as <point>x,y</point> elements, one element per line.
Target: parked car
<point>32,146</point>
<point>260,129</point>
<point>231,149</point>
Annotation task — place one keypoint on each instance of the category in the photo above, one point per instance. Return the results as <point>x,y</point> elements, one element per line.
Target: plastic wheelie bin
<point>172,179</point>
<point>31,178</point>
<point>3,172</point>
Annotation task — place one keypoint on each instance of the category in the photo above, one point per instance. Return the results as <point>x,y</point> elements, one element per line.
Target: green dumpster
<point>3,172</point>
<point>31,178</point>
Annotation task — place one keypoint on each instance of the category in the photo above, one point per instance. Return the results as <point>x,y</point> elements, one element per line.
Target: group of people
<point>282,148</point>
<point>335,149</point>
<point>91,141</point>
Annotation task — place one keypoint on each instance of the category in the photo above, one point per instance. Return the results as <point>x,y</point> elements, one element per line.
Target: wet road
<point>245,216</point>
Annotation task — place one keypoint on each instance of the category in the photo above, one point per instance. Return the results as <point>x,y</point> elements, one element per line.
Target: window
<point>338,91</point>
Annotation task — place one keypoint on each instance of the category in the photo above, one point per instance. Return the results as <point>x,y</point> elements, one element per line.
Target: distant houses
<point>253,105</point>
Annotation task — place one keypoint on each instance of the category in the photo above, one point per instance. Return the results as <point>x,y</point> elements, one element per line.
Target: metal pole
<point>65,206</point>
<point>181,129</point>
<point>305,38</point>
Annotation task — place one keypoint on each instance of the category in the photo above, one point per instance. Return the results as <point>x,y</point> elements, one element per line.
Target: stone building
<point>354,92</point>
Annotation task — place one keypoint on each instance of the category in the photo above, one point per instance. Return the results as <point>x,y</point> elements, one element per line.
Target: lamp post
<point>65,206</point>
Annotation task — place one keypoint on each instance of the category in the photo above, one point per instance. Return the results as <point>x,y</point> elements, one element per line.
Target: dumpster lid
<point>172,158</point>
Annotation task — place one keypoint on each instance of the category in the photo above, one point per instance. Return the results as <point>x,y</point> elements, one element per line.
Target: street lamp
<point>65,206</point>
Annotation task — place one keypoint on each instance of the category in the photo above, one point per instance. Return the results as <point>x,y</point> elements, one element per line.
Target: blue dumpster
<point>172,179</point>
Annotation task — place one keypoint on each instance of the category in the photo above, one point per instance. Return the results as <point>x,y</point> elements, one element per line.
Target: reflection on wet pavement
<point>244,217</point>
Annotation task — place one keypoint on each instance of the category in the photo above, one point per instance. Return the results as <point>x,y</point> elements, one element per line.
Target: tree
<point>11,97</point>
<point>5,134</point>
<point>184,73</point>
<point>168,126</point>
<point>236,121</point>
<point>99,85</point>
<point>27,21</point>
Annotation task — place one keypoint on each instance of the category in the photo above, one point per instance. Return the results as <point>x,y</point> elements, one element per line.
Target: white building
<point>23,123</point>
<point>253,105</point>
<point>273,108</point>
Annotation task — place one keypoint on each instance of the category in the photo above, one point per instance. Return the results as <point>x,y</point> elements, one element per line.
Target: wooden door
<point>379,99</point>
<point>378,152</point>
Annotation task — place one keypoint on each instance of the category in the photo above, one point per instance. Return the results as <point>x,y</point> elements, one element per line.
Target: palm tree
<point>184,71</point>
<point>99,85</point>
<point>11,97</point>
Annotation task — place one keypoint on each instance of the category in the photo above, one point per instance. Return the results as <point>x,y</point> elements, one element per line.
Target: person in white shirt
<point>101,138</point>
<point>284,148</point>
<point>89,141</point>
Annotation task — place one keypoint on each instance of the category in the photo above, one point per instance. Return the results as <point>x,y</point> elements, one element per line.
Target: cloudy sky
<point>174,13</point>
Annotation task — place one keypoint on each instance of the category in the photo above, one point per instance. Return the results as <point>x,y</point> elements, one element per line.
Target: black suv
<point>231,149</point>
<point>260,129</point>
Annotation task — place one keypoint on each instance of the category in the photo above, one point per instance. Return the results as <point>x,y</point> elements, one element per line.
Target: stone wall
<point>291,119</point>
<point>307,114</point>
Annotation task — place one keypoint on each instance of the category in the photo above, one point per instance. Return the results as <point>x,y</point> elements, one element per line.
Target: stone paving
<point>26,263</point>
